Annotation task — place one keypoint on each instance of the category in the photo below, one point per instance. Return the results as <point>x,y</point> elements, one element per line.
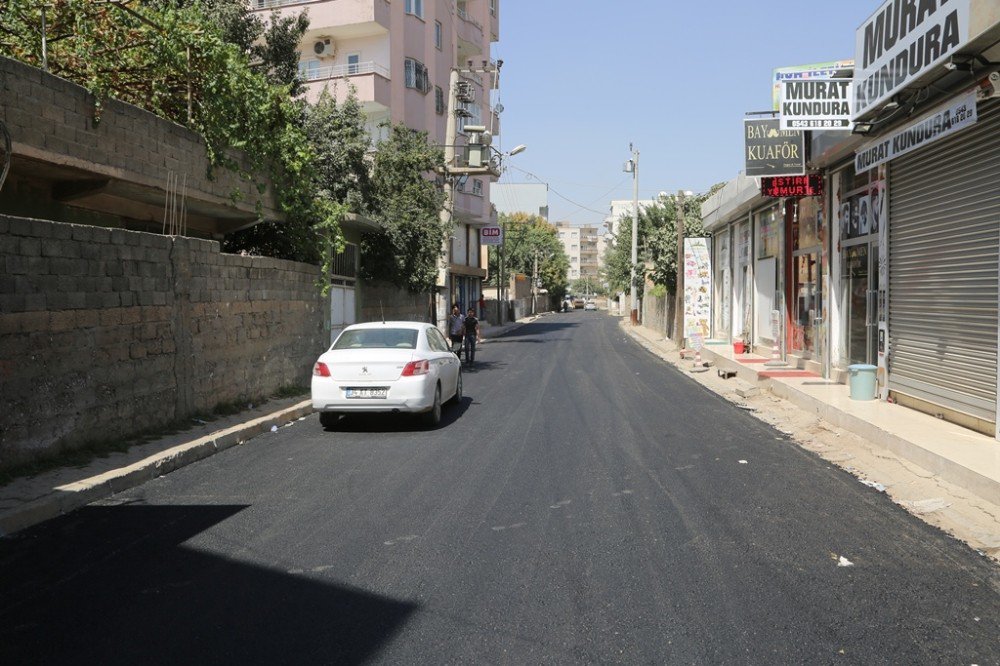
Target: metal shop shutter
<point>944,225</point>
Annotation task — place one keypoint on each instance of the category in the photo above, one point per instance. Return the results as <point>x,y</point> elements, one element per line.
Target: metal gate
<point>944,226</point>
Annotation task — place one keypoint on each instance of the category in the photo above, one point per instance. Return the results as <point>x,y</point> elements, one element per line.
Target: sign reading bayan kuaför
<point>901,41</point>
<point>772,151</point>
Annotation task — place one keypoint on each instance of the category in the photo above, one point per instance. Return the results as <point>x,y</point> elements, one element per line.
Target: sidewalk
<point>965,458</point>
<point>28,501</point>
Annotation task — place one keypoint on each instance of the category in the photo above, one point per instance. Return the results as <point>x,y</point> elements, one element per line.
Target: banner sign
<point>819,70</point>
<point>772,151</point>
<point>957,114</point>
<point>697,288</point>
<point>900,42</point>
<point>818,105</point>
<point>491,236</point>
<point>810,185</point>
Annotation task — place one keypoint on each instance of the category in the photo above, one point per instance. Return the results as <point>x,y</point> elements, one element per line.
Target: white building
<point>530,198</point>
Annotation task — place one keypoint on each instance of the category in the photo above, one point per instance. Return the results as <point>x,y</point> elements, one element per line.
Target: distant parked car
<point>396,366</point>
<point>590,305</point>
<point>578,302</point>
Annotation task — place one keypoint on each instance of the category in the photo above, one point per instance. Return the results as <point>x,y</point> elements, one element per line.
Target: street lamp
<point>679,289</point>
<point>502,283</point>
<point>632,166</point>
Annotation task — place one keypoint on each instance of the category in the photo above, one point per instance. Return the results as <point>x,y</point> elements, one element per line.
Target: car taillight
<point>321,370</point>
<point>416,368</point>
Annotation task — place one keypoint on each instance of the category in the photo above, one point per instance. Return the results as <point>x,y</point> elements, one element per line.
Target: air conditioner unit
<point>324,47</point>
<point>465,92</point>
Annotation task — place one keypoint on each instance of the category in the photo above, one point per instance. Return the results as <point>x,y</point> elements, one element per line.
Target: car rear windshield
<point>377,338</point>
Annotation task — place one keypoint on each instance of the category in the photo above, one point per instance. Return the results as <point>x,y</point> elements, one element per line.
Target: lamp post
<point>501,280</point>
<point>632,166</point>
<point>679,295</point>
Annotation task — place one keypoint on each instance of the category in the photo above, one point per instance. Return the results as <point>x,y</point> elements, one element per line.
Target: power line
<point>564,197</point>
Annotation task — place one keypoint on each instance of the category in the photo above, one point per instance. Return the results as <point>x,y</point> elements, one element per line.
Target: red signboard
<point>810,185</point>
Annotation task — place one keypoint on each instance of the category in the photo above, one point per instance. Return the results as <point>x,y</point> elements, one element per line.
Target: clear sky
<point>581,80</point>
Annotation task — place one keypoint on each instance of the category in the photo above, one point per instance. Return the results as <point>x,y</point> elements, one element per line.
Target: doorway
<point>859,277</point>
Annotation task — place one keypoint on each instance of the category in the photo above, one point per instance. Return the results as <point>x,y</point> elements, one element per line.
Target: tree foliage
<point>208,64</point>
<point>406,204</point>
<point>525,238</point>
<point>657,243</point>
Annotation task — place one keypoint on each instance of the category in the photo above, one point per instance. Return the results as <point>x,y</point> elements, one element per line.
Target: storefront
<point>805,317</point>
<point>767,273</point>
<point>858,207</point>
<point>944,232</point>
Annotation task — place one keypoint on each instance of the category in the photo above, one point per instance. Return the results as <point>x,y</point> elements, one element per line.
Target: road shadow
<point>119,585</point>
<point>484,366</point>
<point>537,328</point>
<point>450,414</point>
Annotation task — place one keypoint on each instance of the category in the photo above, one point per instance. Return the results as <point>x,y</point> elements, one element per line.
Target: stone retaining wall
<point>105,333</point>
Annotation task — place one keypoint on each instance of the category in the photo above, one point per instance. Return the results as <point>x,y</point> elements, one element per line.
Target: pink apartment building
<point>398,55</point>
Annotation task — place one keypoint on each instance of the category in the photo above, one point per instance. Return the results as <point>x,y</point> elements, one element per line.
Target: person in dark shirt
<point>472,336</point>
<point>456,326</point>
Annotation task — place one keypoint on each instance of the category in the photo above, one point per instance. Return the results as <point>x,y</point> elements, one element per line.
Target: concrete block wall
<point>105,333</point>
<point>52,120</point>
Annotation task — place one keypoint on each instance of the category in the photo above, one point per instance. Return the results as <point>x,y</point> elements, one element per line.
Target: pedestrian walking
<point>456,329</point>
<point>472,336</point>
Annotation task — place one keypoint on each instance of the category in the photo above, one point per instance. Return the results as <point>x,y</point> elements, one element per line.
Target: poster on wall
<point>863,214</point>
<point>697,287</point>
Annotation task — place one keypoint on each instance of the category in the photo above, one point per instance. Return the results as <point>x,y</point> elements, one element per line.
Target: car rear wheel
<point>433,417</point>
<point>328,419</point>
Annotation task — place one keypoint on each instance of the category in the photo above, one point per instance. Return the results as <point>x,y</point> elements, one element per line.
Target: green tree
<point>525,238</point>
<point>657,243</point>
<point>180,61</point>
<point>407,204</point>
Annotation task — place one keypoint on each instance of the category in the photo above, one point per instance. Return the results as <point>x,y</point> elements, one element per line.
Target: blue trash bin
<point>862,381</point>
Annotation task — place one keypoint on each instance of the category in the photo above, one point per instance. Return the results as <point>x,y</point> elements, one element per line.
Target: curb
<point>72,496</point>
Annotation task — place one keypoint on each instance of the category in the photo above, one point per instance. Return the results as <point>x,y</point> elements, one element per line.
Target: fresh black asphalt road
<point>585,503</point>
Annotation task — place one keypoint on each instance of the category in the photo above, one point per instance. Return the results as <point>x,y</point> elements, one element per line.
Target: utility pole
<point>634,297</point>
<point>534,283</point>
<point>679,295</point>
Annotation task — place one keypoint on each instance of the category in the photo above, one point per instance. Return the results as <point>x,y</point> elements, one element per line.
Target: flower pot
<point>738,347</point>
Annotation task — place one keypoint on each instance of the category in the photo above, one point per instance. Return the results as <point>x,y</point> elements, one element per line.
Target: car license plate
<point>367,392</point>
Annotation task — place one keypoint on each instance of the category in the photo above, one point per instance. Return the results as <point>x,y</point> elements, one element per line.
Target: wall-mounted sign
<point>900,42</point>
<point>955,115</point>
<point>491,236</point>
<point>819,70</point>
<point>810,185</point>
<point>772,151</point>
<point>816,104</point>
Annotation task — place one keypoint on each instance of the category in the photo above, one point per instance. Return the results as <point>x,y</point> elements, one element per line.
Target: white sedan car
<point>396,366</point>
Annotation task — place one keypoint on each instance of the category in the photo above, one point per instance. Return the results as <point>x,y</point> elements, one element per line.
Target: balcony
<point>371,82</point>
<point>470,36</point>
<point>341,19</point>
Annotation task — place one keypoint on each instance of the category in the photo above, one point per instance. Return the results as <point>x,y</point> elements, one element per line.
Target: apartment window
<point>437,35</point>
<point>415,75</point>
<point>415,7</point>
<point>309,70</point>
<point>353,63</point>
<point>477,187</point>
<point>439,107</point>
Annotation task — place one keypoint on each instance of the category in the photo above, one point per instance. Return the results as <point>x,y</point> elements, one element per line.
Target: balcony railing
<point>340,71</point>
<point>272,4</point>
<point>464,15</point>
